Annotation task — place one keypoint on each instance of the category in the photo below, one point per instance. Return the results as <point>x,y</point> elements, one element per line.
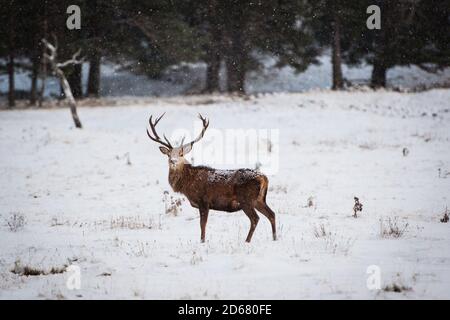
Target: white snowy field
<point>94,198</point>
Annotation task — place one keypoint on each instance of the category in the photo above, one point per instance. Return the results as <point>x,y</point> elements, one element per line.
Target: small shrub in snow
<point>310,202</point>
<point>141,249</point>
<point>396,287</point>
<point>126,156</point>
<point>390,228</point>
<point>320,231</point>
<point>357,207</point>
<point>405,152</point>
<point>172,205</point>
<point>445,217</point>
<point>16,222</point>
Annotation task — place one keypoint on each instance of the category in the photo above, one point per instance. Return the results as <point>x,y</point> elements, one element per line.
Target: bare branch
<point>55,40</point>
<point>49,46</point>
<point>73,60</point>
<point>52,56</point>
<point>48,57</point>
<point>56,69</point>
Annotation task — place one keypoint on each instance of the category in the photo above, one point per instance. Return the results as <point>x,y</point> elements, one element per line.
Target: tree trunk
<point>236,63</point>
<point>43,65</point>
<point>379,72</point>
<point>12,89</point>
<point>336,54</point>
<point>36,55</point>
<point>43,81</point>
<point>213,51</point>
<point>11,56</point>
<point>34,78</point>
<point>382,45</point>
<point>74,79</point>
<point>69,96</point>
<point>212,74</point>
<point>95,34</point>
<point>93,89</point>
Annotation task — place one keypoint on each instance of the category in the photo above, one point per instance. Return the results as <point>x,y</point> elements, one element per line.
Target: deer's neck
<point>179,177</point>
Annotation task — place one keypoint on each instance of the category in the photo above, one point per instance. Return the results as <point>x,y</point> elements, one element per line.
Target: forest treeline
<point>146,37</point>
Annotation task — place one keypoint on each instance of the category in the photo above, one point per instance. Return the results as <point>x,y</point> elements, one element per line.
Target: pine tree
<point>412,33</point>
<point>337,24</point>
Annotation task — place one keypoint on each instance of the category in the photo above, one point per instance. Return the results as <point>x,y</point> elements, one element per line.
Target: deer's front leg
<point>204,210</point>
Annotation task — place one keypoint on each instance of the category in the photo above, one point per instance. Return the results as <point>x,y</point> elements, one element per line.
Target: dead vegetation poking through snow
<point>333,242</point>
<point>133,223</point>
<point>391,228</point>
<point>172,205</point>
<point>125,156</point>
<point>16,221</point>
<point>320,231</point>
<point>357,207</point>
<point>26,270</point>
<point>310,202</point>
<point>445,218</point>
<point>396,287</point>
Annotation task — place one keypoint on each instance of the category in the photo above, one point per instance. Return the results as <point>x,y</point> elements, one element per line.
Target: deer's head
<point>175,154</point>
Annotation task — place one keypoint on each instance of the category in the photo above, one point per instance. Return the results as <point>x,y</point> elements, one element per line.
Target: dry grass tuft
<point>133,223</point>
<point>16,221</point>
<point>390,228</point>
<point>320,231</point>
<point>395,287</point>
<point>27,271</point>
<point>172,205</point>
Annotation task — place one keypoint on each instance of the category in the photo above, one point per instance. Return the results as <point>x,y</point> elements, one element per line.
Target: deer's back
<point>224,190</point>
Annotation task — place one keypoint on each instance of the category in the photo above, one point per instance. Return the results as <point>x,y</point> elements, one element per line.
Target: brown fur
<point>207,188</point>
<point>224,190</point>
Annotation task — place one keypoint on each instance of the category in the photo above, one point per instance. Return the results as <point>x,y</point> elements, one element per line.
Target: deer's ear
<point>187,148</point>
<point>164,150</point>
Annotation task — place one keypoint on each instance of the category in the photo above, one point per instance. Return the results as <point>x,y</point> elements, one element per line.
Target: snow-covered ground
<point>93,198</point>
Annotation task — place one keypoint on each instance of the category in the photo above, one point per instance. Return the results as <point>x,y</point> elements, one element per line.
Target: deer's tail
<point>264,185</point>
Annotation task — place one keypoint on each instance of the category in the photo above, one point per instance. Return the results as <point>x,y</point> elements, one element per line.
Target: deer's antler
<point>205,126</point>
<point>156,137</point>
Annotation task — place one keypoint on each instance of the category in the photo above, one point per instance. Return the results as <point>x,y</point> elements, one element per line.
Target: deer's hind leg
<point>204,210</point>
<point>262,207</point>
<point>253,216</point>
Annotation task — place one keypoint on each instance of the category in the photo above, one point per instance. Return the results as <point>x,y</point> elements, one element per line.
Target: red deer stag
<point>207,188</point>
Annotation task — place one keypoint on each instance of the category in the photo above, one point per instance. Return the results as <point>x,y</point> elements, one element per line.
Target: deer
<point>214,189</point>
